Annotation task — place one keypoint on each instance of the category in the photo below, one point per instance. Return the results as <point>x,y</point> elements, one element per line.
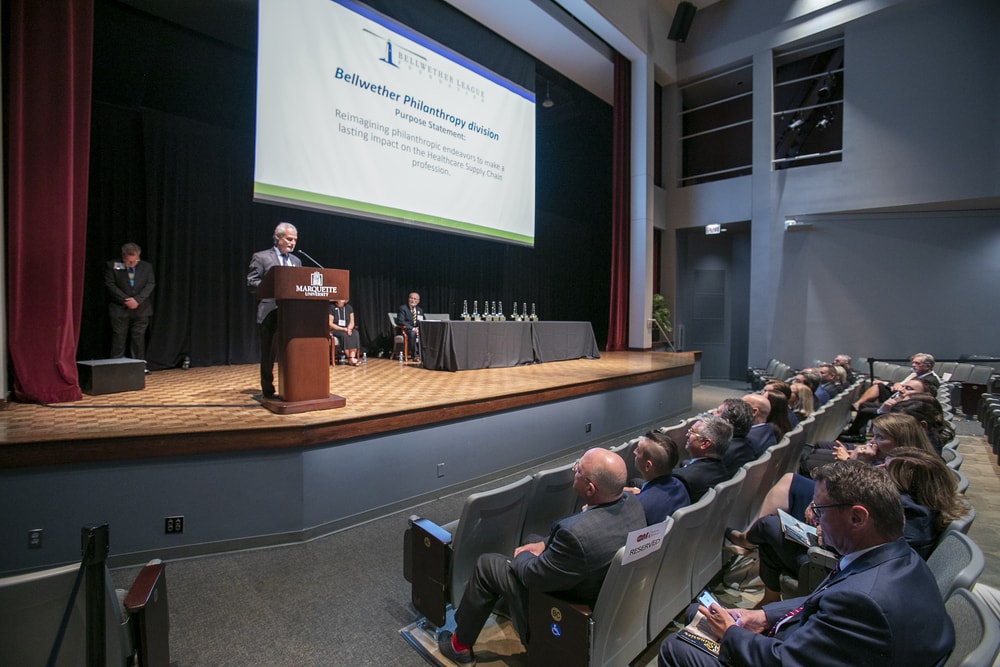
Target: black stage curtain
<point>172,170</point>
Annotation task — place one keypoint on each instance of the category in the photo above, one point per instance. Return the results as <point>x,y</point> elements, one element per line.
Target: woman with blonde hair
<point>802,400</point>
<point>889,431</point>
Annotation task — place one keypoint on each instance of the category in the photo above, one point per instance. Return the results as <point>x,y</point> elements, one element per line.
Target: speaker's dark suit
<point>577,555</point>
<point>126,321</point>
<point>404,318</point>
<point>267,314</point>
<point>883,610</point>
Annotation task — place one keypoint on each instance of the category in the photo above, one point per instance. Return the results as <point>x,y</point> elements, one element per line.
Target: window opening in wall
<point>716,121</point>
<point>809,105</point>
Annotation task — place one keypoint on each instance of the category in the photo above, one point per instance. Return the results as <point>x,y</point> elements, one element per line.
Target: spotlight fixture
<point>713,229</point>
<point>547,102</point>
<point>825,89</point>
<point>823,123</point>
<point>793,224</point>
<point>796,124</point>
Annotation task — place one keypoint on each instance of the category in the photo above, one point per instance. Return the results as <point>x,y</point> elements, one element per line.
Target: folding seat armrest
<point>426,565</point>
<point>431,529</point>
<point>146,604</point>
<point>823,557</point>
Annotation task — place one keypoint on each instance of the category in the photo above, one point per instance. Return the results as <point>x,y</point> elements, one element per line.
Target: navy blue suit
<point>760,437</point>
<point>700,475</point>
<point>662,496</point>
<point>883,610</point>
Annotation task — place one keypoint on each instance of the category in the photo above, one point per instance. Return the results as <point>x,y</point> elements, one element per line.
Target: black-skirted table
<point>458,345</point>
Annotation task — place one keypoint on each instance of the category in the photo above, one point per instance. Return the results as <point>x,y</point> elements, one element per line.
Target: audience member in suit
<point>930,500</point>
<point>830,384</point>
<point>881,606</point>
<point>785,389</point>
<point>707,442</point>
<point>739,414</point>
<point>408,316</point>
<point>279,254</point>
<point>761,435</point>
<point>343,329</point>
<point>844,361</point>
<point>921,366</point>
<point>130,285</point>
<point>571,563</point>
<point>661,493</point>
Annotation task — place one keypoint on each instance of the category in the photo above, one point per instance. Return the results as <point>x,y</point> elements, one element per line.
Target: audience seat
<point>550,498</point>
<point>32,607</point>
<point>707,560</point>
<point>614,633</point>
<point>956,562</point>
<point>671,591</point>
<point>438,560</point>
<point>952,458</point>
<point>751,495</point>
<point>977,630</point>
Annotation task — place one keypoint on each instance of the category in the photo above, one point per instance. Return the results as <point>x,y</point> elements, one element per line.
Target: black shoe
<point>466,657</point>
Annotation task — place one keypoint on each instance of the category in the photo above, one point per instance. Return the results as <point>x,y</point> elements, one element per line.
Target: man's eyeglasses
<point>695,433</point>
<point>577,471</point>
<point>818,510</point>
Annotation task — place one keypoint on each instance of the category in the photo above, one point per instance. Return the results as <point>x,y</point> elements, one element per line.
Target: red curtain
<point>621,210</point>
<point>48,145</point>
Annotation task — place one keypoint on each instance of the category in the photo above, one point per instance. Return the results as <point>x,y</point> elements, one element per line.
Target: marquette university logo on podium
<point>316,288</point>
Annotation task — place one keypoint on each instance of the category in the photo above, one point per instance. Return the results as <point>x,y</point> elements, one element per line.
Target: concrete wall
<point>920,109</point>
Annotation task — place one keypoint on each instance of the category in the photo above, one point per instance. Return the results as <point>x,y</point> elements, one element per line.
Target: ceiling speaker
<point>682,22</point>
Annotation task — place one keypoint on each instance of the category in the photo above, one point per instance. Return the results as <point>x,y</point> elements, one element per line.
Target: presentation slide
<point>358,114</point>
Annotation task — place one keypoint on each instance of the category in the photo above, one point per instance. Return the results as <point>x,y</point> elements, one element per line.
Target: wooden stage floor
<point>216,409</point>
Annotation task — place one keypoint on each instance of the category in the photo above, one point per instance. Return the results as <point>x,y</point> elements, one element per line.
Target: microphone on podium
<point>306,255</point>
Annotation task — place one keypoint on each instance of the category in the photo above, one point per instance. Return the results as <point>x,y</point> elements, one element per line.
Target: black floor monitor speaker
<point>682,22</point>
<point>107,376</point>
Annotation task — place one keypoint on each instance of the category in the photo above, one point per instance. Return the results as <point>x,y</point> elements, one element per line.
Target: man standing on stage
<point>130,285</point>
<point>280,254</point>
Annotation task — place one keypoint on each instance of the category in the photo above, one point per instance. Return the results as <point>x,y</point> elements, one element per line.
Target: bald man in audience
<point>570,564</point>
<point>761,435</point>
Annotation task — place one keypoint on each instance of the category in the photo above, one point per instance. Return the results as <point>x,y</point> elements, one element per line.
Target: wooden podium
<point>303,295</point>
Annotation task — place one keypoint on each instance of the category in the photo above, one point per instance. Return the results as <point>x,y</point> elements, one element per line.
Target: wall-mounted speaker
<point>682,22</point>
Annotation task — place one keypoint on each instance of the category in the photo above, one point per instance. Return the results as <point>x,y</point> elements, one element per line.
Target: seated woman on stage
<point>342,328</point>
<point>793,493</point>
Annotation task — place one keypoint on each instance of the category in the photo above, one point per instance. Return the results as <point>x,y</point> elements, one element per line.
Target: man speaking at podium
<point>280,254</point>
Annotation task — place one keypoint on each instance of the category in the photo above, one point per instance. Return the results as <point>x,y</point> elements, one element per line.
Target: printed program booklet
<point>798,531</point>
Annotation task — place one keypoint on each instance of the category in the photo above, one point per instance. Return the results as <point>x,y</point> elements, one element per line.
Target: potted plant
<point>661,313</point>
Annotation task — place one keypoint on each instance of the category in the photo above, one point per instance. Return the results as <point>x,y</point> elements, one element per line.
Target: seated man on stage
<point>408,316</point>
<point>572,562</point>
<point>880,606</point>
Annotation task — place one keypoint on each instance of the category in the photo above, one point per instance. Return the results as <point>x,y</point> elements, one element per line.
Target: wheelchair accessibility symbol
<point>555,630</point>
